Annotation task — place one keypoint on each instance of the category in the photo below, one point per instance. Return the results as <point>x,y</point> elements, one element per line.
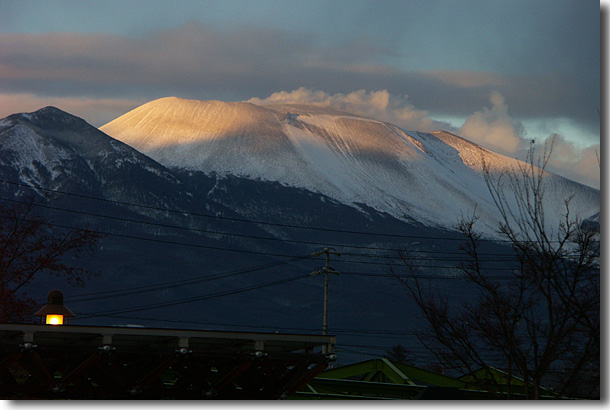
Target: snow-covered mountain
<point>217,234</point>
<point>70,161</point>
<point>55,150</point>
<point>434,178</point>
<point>236,249</point>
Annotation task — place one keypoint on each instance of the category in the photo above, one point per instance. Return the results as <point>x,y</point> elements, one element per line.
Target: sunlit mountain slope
<point>435,178</point>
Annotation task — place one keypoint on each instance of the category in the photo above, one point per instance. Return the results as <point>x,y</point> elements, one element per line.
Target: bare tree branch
<point>542,325</point>
<point>28,248</point>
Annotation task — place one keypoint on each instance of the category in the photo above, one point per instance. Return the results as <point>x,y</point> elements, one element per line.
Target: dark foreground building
<point>91,362</point>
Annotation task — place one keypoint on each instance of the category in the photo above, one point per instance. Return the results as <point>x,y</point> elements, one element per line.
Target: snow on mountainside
<point>434,178</point>
<point>55,150</point>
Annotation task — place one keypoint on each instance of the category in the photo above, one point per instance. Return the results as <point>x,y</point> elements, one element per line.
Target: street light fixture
<point>54,312</point>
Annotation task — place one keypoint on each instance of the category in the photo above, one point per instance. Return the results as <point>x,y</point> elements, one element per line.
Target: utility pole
<point>326,270</point>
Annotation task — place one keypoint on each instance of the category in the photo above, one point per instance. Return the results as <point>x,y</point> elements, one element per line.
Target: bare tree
<point>542,324</point>
<point>400,354</point>
<point>30,247</point>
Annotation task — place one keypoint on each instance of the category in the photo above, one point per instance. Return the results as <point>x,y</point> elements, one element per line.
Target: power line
<point>368,333</point>
<point>428,277</point>
<point>402,265</point>
<point>191,299</point>
<point>255,252</point>
<point>274,328</point>
<point>240,219</point>
<point>110,294</point>
<point>169,210</point>
<point>183,213</point>
<point>173,284</point>
<point>378,333</point>
<point>496,257</point>
<point>150,287</point>
<point>164,241</point>
<point>207,231</point>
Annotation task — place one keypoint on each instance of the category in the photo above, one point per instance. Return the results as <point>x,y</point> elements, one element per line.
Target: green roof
<point>388,379</point>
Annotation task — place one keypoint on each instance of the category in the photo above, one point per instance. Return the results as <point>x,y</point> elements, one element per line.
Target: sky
<point>501,73</point>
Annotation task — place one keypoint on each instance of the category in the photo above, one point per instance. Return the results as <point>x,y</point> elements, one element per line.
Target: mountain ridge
<point>432,177</point>
<point>223,251</point>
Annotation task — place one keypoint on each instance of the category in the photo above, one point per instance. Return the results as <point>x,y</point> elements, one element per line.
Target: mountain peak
<point>52,118</point>
<point>186,133</point>
<point>52,147</point>
<point>52,110</point>
<point>175,104</point>
<point>432,177</point>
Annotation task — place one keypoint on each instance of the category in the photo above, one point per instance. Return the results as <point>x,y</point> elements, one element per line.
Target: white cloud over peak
<point>575,162</point>
<point>380,105</point>
<point>494,128</point>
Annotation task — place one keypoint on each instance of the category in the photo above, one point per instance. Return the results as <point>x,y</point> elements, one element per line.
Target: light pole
<point>54,312</point>
<point>326,269</point>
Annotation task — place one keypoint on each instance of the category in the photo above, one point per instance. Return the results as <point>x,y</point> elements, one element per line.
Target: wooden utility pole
<point>325,270</point>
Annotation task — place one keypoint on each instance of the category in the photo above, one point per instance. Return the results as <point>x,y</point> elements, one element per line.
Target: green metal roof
<point>383,369</point>
<point>387,379</point>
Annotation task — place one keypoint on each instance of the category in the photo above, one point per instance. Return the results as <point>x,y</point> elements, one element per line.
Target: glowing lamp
<point>55,320</point>
<point>54,312</point>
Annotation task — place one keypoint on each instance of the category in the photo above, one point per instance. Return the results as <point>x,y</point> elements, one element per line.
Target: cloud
<point>206,62</point>
<point>494,128</point>
<point>467,79</point>
<point>191,59</point>
<point>575,162</point>
<point>96,111</point>
<point>101,76</point>
<point>380,105</point>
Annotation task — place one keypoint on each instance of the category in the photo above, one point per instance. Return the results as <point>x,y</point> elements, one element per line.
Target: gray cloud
<point>199,61</point>
<point>577,163</point>
<point>203,62</point>
<point>492,127</point>
<point>380,105</point>
<point>97,111</point>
